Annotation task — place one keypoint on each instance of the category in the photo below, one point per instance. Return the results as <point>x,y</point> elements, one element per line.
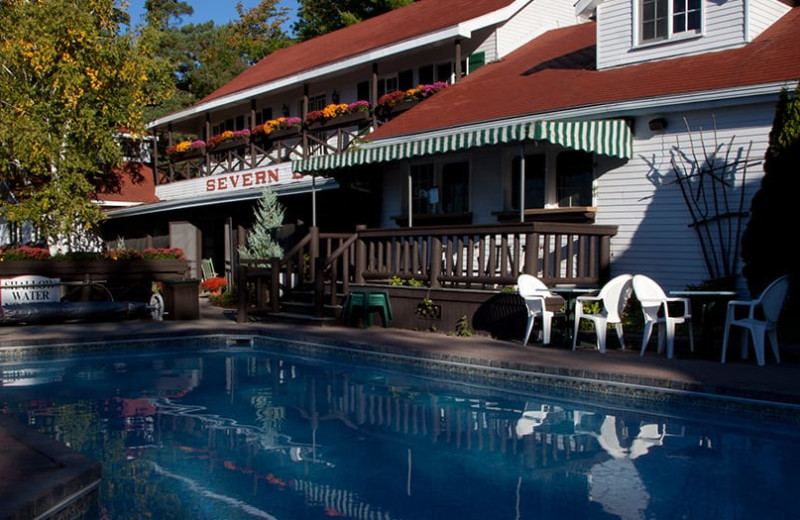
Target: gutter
<point>764,92</point>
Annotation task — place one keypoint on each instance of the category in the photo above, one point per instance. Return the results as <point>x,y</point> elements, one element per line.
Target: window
<point>444,72</point>
<point>405,79</point>
<point>425,75</point>
<point>438,190</point>
<point>455,187</point>
<point>574,179</point>
<point>665,19</point>
<point>264,115</point>
<point>316,102</point>
<point>388,84</point>
<point>535,170</point>
<point>421,183</point>
<point>363,91</point>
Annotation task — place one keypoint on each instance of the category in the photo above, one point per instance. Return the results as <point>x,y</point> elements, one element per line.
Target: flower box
<point>231,144</point>
<point>340,121</point>
<point>193,153</point>
<point>283,133</point>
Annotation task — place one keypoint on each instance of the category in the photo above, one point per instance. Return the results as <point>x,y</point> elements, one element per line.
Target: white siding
<point>723,28</point>
<point>761,14</point>
<point>534,19</point>
<point>488,47</point>
<point>640,197</point>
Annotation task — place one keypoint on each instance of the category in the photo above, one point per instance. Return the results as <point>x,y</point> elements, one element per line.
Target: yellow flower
<point>332,111</point>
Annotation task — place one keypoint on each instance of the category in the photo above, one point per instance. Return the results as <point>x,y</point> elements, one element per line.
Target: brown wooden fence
<point>322,266</point>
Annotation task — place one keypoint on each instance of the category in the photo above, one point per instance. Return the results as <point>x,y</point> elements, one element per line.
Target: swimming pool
<point>265,433</point>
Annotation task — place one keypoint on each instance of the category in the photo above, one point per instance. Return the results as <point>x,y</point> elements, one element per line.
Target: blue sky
<point>220,11</point>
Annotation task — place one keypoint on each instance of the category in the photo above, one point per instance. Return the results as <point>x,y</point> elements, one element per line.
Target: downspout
<point>521,182</point>
<point>410,201</point>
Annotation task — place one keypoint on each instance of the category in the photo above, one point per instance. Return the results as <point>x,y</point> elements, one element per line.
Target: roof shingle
<point>550,74</point>
<point>421,17</point>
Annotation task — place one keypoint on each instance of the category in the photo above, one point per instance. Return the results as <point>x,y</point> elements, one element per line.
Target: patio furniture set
<point>757,318</point>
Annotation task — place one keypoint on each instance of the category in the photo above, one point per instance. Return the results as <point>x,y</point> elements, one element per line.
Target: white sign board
<point>29,289</point>
<point>272,176</point>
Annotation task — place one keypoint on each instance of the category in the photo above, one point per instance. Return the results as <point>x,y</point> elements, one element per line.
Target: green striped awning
<point>611,137</point>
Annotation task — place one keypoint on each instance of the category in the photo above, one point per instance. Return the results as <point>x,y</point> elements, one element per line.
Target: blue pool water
<point>229,434</point>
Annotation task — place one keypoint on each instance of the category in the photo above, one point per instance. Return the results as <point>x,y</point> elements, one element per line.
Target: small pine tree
<point>261,241</point>
<point>767,242</point>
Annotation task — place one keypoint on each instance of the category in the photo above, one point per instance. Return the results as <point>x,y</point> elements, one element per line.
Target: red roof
<point>136,184</point>
<point>421,17</point>
<point>550,74</point>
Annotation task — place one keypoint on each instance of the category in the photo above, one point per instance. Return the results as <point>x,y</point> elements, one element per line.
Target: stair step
<point>308,309</point>
<point>303,319</point>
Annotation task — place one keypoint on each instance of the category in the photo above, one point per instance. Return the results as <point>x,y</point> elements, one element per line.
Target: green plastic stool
<point>368,302</point>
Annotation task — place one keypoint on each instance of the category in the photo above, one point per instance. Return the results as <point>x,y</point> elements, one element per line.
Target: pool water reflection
<point>259,434</point>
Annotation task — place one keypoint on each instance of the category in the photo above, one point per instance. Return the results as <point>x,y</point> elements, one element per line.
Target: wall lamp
<point>657,124</point>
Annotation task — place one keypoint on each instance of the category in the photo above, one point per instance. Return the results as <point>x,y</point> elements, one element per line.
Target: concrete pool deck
<point>28,463</point>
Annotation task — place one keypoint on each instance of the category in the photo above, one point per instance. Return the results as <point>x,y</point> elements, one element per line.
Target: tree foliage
<point>318,17</point>
<point>71,79</point>
<point>766,246</point>
<point>203,57</point>
<point>261,242</point>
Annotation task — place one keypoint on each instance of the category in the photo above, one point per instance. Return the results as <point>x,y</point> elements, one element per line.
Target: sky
<point>220,11</point>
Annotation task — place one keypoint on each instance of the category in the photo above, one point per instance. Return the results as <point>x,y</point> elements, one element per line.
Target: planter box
<point>229,145</point>
<point>125,279</point>
<point>345,120</point>
<point>185,156</point>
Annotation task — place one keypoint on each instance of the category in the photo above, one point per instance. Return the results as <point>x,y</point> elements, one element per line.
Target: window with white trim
<point>662,20</point>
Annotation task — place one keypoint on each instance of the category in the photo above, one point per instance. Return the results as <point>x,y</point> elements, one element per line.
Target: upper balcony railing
<point>329,131</point>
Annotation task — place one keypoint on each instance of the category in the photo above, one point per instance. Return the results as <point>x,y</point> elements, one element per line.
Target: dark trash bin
<point>181,299</point>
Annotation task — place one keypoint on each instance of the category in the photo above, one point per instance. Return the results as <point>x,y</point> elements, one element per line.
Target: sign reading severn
<point>29,289</point>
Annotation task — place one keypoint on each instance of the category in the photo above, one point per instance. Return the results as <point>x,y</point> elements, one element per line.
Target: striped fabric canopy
<point>606,137</point>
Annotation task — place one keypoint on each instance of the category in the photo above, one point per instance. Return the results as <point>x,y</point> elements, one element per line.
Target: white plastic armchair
<point>765,322</point>
<point>535,294</point>
<point>612,297</point>
<point>657,311</point>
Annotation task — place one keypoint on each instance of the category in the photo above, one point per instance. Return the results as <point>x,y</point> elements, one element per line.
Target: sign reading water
<point>29,289</point>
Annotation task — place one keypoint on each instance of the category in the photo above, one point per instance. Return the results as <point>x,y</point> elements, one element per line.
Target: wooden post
<point>436,261</point>
<point>361,255</point>
<point>458,70</point>
<point>313,251</point>
<point>605,258</point>
<point>243,296</point>
<point>319,286</point>
<point>275,285</point>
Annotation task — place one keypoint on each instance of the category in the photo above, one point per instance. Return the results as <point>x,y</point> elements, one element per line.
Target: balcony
<point>258,150</point>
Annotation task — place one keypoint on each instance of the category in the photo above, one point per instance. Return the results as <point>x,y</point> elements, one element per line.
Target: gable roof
<point>555,72</point>
<point>412,21</point>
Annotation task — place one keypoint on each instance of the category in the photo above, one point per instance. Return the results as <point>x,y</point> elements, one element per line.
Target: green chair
<point>368,302</point>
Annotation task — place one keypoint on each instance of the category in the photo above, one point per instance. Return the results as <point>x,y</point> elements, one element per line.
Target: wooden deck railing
<point>458,257</point>
<point>237,155</point>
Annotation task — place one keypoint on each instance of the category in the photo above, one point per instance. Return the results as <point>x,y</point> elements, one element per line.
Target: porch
<point>468,272</point>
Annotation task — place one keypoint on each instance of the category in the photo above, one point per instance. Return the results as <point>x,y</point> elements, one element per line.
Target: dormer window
<point>667,19</point>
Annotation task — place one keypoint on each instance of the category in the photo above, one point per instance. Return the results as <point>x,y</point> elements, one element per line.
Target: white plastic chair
<point>535,294</point>
<point>656,310</point>
<point>612,297</point>
<point>770,302</point>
